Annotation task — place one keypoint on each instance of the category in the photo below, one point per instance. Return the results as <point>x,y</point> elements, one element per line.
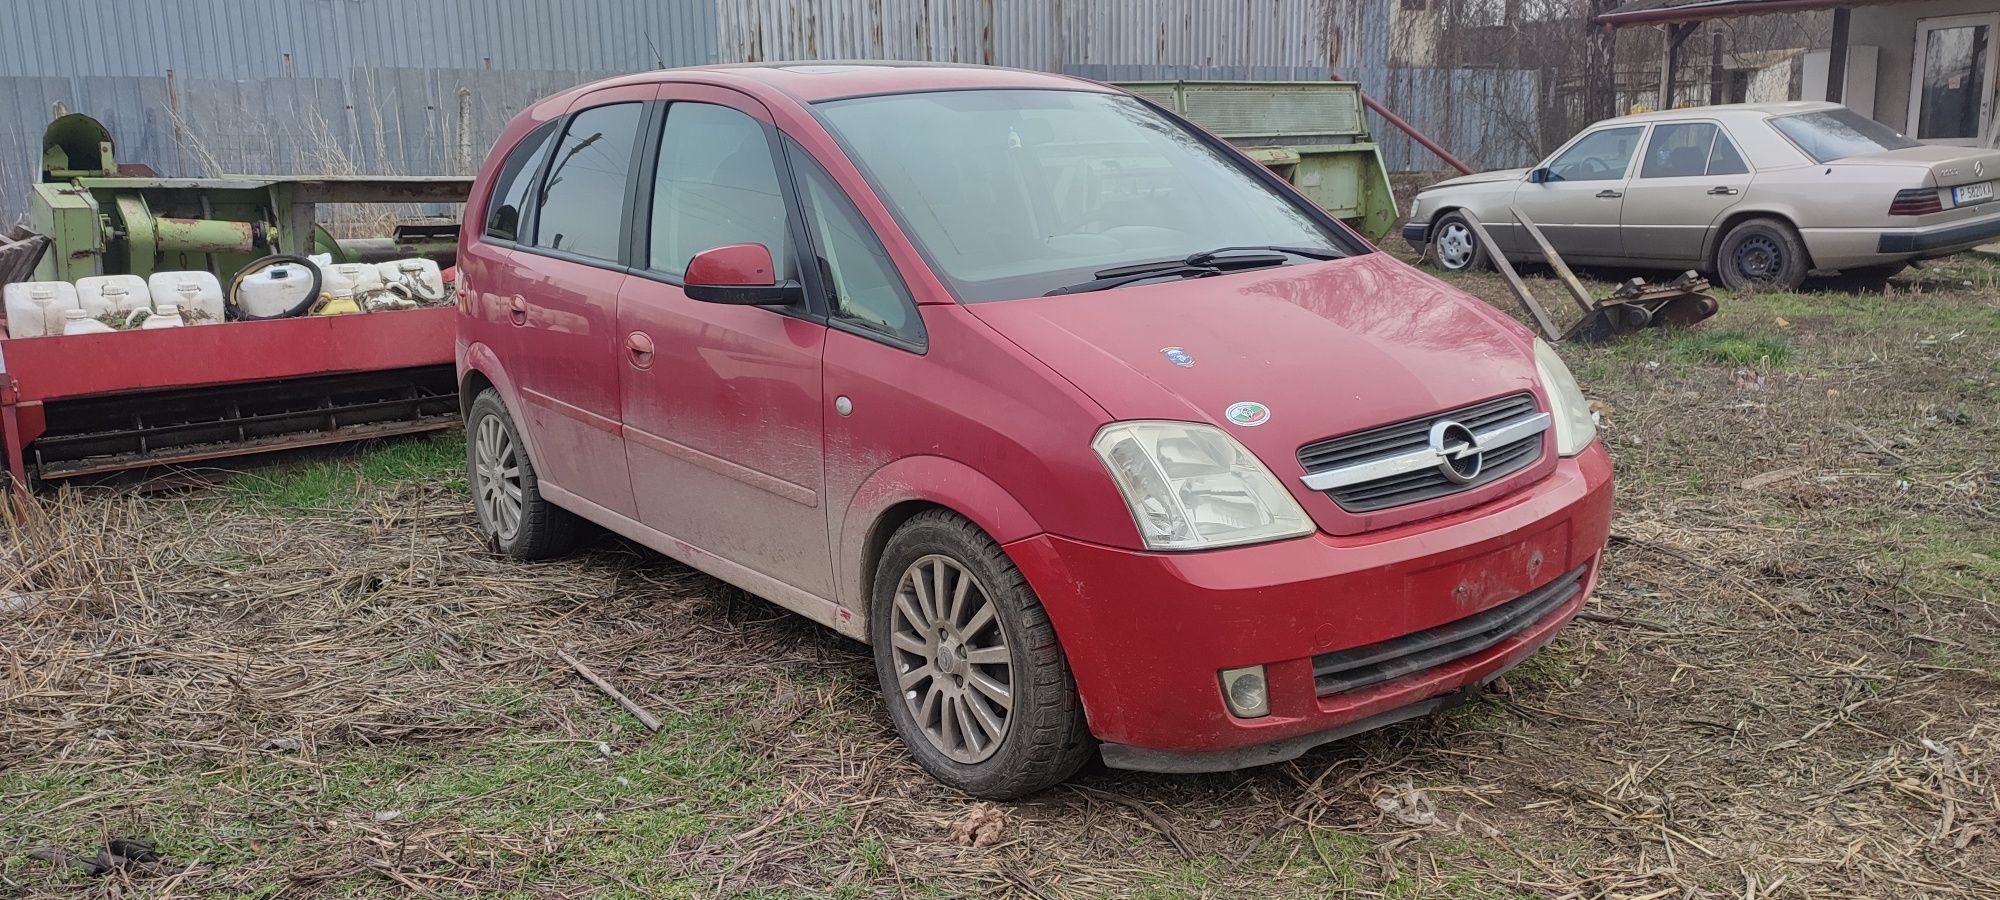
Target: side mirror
<point>740,274</point>
<point>1538,176</point>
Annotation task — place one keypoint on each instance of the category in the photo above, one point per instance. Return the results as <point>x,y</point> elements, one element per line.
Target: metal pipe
<point>1422,139</point>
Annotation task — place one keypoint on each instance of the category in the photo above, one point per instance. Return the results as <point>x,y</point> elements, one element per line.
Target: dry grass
<point>1789,685</point>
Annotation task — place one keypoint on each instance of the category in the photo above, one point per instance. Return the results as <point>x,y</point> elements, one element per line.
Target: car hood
<point>1327,348</point>
<point>1480,178</point>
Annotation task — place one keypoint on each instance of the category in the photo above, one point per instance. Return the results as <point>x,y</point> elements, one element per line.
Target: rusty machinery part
<point>95,435</point>
<point>1635,304</point>
<point>1638,304</point>
<point>236,312</point>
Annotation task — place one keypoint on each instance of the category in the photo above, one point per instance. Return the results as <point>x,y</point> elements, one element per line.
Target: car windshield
<point>1013,193</point>
<point>1838,134</point>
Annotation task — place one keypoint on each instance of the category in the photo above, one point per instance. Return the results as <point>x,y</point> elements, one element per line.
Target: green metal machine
<point>1311,133</point>
<point>102,220</point>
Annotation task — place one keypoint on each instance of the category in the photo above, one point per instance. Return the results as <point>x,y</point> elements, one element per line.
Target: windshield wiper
<point>1220,255</point>
<point>1227,258</point>
<point>1111,278</point>
<point>1195,265</point>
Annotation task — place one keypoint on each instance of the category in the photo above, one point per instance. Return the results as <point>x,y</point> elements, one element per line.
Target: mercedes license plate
<point>1971,193</point>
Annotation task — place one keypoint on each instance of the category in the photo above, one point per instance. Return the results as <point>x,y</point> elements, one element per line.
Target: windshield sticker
<point>1178,357</point>
<point>1247,414</point>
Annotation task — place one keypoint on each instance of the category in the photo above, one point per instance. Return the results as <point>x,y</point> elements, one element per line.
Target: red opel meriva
<point>1104,438</point>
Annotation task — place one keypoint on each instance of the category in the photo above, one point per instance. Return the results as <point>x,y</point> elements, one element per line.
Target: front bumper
<point>1147,633</point>
<point>1417,233</point>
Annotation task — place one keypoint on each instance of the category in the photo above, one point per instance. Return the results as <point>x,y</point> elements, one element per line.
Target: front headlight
<point>1576,427</point>
<point>1192,487</point>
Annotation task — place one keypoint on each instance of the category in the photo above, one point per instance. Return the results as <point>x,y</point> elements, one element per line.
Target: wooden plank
<point>1569,280</point>
<point>1514,282</point>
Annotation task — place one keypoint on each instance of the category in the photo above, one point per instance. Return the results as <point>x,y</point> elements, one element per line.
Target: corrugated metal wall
<point>1479,114</point>
<point>335,86</point>
<point>423,86</point>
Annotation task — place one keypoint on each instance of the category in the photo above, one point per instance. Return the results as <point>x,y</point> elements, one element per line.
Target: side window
<point>717,184</point>
<point>864,287</point>
<point>1724,160</point>
<point>1678,149</point>
<point>512,184</point>
<point>1600,156</point>
<point>583,199</point>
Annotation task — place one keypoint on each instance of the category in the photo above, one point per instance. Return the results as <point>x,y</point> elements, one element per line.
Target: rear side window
<point>1677,150</point>
<point>717,184</point>
<point>1839,133</point>
<point>1724,160</point>
<point>583,199</point>
<point>513,183</point>
<point>861,282</point>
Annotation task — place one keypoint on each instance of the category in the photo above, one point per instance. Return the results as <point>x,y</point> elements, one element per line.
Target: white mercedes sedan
<point>1753,194</point>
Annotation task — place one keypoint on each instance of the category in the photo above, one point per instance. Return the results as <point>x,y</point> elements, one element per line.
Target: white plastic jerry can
<point>76,321</point>
<point>358,278</point>
<point>167,316</point>
<point>198,294</point>
<point>100,294</point>
<point>418,275</point>
<point>37,308</point>
<point>274,290</point>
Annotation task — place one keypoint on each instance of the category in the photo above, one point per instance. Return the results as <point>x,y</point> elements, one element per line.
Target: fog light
<point>1245,692</point>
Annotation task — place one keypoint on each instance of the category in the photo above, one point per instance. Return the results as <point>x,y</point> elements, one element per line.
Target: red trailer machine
<point>79,404</point>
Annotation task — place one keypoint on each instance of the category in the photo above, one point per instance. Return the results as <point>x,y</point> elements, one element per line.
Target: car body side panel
<point>1671,219</point>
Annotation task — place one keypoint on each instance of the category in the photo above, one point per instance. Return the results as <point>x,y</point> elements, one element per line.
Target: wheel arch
<point>478,369</point>
<point>895,493</point>
<point>1735,217</point>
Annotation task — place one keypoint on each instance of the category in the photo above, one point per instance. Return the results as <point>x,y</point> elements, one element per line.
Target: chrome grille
<point>1401,453</point>
<point>1385,661</point>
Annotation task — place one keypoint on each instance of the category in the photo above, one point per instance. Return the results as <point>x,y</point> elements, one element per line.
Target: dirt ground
<point>311,680</point>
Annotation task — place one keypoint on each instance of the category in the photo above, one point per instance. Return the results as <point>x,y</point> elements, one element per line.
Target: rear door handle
<point>1608,194</point>
<point>1722,190</point>
<point>639,345</point>
<point>518,309</point>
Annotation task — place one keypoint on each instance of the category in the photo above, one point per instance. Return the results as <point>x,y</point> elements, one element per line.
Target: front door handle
<point>1609,194</point>
<point>1722,190</point>
<point>639,346</point>
<point>518,309</point>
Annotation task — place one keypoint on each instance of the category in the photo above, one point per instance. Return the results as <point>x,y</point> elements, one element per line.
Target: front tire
<point>975,681</point>
<point>1762,253</point>
<point>513,515</point>
<point>1454,246</point>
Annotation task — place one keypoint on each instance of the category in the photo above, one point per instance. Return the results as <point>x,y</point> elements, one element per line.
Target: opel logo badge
<point>1458,452</point>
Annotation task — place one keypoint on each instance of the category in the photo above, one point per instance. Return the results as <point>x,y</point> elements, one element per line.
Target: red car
<point>1104,438</point>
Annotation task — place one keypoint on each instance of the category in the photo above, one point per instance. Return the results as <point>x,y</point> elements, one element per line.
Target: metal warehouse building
<point>203,87</point>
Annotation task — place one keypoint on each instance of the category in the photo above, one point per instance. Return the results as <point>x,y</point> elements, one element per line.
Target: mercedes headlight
<point>1576,427</point>
<point>1192,487</point>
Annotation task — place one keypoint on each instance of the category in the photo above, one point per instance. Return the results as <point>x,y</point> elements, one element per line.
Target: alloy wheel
<point>497,473</point>
<point>1454,246</point>
<point>951,659</point>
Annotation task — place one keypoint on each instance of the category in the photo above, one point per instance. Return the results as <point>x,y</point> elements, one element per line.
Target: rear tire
<point>1762,253</point>
<point>975,681</point>
<point>513,515</point>
<point>1454,246</point>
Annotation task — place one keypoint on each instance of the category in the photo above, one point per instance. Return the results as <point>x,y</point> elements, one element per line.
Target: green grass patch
<point>1946,556</point>
<point>1731,348</point>
<point>622,813</point>
<point>336,482</point>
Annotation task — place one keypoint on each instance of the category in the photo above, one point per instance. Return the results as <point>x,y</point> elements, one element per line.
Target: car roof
<point>1723,111</point>
<point>812,81</point>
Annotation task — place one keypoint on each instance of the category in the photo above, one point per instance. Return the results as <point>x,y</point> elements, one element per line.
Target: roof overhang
<point>1702,10</point>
